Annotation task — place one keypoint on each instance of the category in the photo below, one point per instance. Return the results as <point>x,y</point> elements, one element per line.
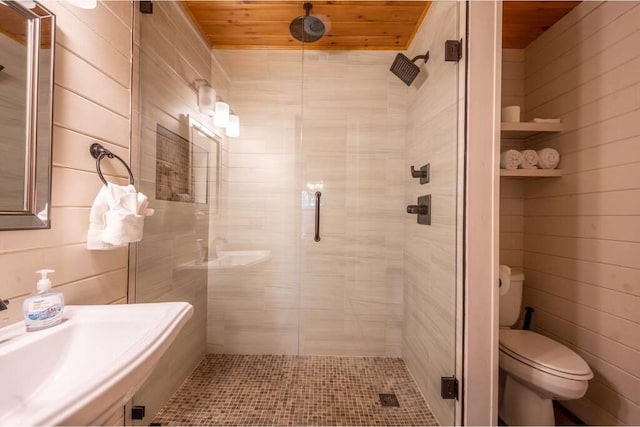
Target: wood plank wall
<point>582,232</point>
<point>511,190</point>
<point>92,100</point>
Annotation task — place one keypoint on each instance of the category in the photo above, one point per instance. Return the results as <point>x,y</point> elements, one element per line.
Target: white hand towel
<point>96,223</point>
<point>122,227</point>
<point>548,158</point>
<point>510,159</point>
<point>117,217</point>
<point>529,159</point>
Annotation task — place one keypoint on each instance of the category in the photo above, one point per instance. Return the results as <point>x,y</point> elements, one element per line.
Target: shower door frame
<point>481,215</point>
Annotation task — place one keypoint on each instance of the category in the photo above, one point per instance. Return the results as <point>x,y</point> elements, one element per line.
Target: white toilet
<point>534,369</point>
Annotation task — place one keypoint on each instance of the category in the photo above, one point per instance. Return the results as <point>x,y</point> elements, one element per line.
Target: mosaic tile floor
<point>296,390</point>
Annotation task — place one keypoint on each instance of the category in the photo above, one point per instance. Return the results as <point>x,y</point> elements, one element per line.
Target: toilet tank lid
<point>543,352</point>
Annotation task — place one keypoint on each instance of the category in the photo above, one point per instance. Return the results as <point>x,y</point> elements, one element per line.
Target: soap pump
<point>44,308</point>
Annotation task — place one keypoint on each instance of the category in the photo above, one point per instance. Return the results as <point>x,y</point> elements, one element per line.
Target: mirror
<point>205,173</point>
<point>26,88</point>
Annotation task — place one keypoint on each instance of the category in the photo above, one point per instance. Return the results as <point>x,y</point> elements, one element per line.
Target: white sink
<point>80,371</point>
<point>231,259</point>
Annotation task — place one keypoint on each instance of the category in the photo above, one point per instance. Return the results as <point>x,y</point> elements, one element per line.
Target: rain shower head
<point>405,69</point>
<point>307,28</point>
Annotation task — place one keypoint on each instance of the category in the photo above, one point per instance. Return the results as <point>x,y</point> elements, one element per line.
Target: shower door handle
<point>317,238</point>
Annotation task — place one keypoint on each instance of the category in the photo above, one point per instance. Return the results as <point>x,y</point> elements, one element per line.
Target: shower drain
<point>389,399</point>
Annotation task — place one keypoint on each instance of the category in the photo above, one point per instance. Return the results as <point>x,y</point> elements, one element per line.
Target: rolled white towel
<point>529,159</point>
<point>510,159</point>
<point>548,158</point>
<point>538,120</point>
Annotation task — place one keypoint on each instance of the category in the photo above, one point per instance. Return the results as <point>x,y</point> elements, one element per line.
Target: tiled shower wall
<point>91,104</point>
<point>428,336</point>
<point>169,55</point>
<point>582,231</point>
<point>328,121</point>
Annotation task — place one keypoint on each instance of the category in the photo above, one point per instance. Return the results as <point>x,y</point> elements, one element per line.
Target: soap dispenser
<point>43,309</point>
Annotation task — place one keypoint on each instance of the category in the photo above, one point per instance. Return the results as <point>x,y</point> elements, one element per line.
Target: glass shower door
<point>352,151</point>
<point>377,283</point>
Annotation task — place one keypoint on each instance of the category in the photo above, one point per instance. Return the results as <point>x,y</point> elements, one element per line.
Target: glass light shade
<point>206,99</point>
<point>83,4</point>
<point>233,128</point>
<point>27,3</point>
<point>221,117</point>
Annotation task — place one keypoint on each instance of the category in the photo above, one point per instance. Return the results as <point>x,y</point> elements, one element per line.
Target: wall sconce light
<point>206,96</point>
<point>221,116</point>
<point>83,4</point>
<point>233,128</point>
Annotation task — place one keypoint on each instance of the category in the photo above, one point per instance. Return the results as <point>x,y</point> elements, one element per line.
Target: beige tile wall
<point>582,232</point>
<point>170,54</point>
<point>335,120</point>
<point>428,335</point>
<point>91,104</point>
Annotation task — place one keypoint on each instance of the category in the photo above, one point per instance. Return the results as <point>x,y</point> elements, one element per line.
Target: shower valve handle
<point>418,210</point>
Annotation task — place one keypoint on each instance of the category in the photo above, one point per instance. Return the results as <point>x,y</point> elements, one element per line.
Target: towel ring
<point>98,152</point>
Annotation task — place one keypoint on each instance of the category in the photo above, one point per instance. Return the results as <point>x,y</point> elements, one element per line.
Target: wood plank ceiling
<point>351,25</point>
<point>525,21</point>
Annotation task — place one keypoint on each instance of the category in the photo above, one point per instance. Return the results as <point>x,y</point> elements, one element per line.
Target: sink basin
<point>80,371</point>
<point>231,259</point>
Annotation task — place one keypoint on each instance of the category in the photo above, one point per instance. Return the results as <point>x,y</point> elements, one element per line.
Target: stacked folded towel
<point>529,159</point>
<point>117,217</point>
<point>510,159</point>
<point>548,158</point>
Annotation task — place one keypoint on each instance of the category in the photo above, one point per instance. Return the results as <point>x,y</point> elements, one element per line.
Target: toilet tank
<point>511,301</point>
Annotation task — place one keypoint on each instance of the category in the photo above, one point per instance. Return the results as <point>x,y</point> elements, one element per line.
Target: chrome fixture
<point>214,248</point>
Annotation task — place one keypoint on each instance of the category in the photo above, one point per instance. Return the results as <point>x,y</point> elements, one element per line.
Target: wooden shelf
<point>531,173</point>
<point>522,130</point>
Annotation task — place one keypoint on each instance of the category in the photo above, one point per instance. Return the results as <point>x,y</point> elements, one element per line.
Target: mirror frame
<point>39,117</point>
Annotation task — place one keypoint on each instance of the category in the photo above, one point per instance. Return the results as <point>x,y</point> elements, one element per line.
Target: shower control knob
<point>418,210</point>
<point>422,210</point>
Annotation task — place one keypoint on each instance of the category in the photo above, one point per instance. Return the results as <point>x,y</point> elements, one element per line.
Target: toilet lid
<point>543,353</point>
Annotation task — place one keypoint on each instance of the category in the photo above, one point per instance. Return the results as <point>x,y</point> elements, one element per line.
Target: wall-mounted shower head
<point>307,28</point>
<point>405,69</point>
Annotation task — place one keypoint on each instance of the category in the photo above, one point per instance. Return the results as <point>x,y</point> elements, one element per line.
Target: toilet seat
<point>544,354</point>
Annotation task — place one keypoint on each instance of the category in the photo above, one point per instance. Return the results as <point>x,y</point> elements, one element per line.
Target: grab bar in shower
<point>318,195</point>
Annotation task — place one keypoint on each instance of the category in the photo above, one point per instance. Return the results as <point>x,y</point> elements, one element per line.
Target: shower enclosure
<point>311,248</point>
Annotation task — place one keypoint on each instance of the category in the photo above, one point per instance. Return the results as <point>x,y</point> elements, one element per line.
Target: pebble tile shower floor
<point>230,389</point>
